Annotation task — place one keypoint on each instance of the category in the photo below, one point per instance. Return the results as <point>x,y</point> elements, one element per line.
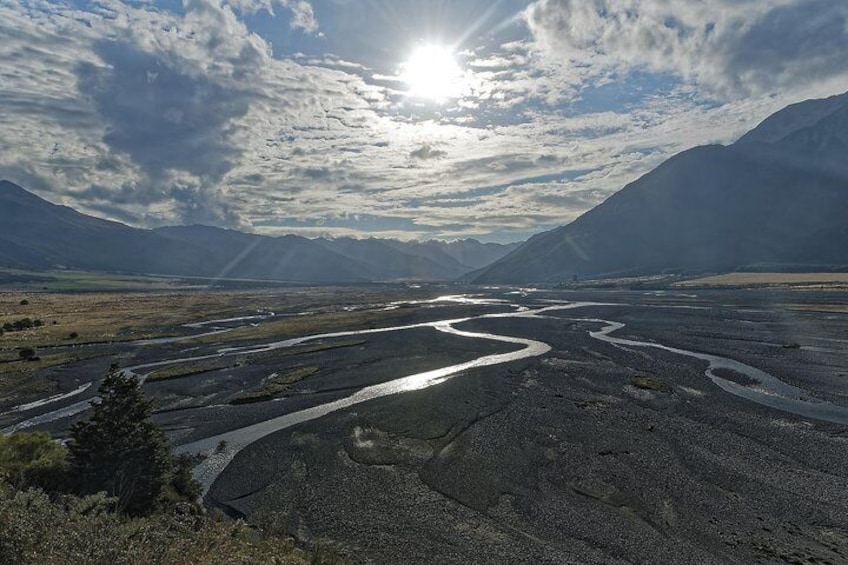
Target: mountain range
<point>776,199</point>
<point>37,234</point>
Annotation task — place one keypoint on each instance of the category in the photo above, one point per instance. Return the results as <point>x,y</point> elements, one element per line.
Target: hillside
<point>778,196</point>
<point>37,234</point>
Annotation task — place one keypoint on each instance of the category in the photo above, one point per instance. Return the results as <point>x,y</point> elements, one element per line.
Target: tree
<point>120,450</point>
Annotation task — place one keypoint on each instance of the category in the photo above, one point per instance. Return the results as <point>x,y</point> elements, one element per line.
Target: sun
<point>432,73</point>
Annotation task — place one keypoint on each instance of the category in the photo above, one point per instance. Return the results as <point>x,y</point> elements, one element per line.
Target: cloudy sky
<point>388,118</point>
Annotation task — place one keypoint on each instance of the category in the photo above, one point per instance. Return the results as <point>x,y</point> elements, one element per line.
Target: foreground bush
<point>84,531</point>
<point>132,503</point>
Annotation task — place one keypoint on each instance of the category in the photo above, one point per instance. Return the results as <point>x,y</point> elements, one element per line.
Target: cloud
<point>735,48</point>
<point>304,16</point>
<point>161,117</point>
<point>792,44</point>
<point>147,113</point>
<point>302,13</point>
<point>426,152</point>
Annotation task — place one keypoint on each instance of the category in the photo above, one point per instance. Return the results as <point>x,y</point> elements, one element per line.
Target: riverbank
<point>566,458</point>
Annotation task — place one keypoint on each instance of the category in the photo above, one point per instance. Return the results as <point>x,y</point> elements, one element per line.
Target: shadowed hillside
<point>36,234</point>
<point>778,196</point>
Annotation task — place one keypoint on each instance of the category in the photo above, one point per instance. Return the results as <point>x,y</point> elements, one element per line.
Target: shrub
<point>184,487</point>
<point>22,324</point>
<point>35,530</point>
<point>33,460</point>
<point>27,353</point>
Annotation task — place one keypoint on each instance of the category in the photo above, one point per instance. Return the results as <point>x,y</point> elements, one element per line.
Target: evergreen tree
<point>120,450</point>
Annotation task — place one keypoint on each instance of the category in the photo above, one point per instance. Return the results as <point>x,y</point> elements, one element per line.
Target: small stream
<point>768,390</point>
<point>142,370</point>
<point>236,440</point>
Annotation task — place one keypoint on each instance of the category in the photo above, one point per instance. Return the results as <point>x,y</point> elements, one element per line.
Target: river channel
<point>219,450</point>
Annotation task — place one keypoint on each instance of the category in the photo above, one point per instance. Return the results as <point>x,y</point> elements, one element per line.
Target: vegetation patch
<point>118,495</point>
<point>44,521</point>
<point>831,280</point>
<point>315,347</point>
<point>70,530</point>
<point>650,383</point>
<point>274,385</point>
<point>126,315</point>
<point>22,325</point>
<point>190,369</point>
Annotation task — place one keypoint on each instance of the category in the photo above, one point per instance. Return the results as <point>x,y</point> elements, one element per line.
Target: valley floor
<point>592,452</point>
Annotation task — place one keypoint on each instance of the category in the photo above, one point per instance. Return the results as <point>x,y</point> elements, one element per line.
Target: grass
<point>122,316</point>
<point>190,369</point>
<point>818,308</point>
<point>650,383</point>
<point>321,346</point>
<point>77,318</point>
<point>769,279</point>
<point>35,530</point>
<point>274,385</point>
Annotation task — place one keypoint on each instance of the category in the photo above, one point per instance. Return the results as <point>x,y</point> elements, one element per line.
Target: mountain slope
<point>37,234</point>
<point>475,254</point>
<point>779,195</point>
<point>234,254</point>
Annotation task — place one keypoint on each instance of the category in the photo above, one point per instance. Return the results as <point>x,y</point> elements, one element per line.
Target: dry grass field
<point>829,280</point>
<point>104,317</point>
<point>94,317</point>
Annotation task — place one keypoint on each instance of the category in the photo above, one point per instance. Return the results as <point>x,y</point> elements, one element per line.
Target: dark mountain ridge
<point>779,195</point>
<point>36,234</point>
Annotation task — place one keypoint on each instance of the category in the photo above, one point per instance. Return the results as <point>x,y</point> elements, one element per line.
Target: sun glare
<point>432,73</point>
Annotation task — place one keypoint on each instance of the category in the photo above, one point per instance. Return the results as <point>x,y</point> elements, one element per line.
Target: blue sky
<point>296,116</point>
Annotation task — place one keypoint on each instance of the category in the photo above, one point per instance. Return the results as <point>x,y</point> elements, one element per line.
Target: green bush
<point>27,353</point>
<point>33,460</point>
<point>22,324</point>
<point>35,530</point>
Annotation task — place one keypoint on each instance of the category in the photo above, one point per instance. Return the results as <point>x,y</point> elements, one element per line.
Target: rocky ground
<point>591,453</point>
<point>571,458</point>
